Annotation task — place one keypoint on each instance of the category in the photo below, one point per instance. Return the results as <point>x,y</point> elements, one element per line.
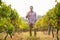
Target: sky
<point>22,6</point>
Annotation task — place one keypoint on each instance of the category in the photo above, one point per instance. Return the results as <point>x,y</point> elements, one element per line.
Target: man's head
<point>31,8</point>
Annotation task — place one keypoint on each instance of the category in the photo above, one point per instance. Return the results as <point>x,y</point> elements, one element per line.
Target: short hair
<point>31,7</point>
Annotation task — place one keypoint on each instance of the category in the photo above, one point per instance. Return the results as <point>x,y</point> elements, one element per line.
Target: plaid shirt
<point>31,17</point>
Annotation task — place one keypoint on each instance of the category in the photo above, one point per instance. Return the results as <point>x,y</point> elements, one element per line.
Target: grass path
<point>40,36</point>
<point>25,36</point>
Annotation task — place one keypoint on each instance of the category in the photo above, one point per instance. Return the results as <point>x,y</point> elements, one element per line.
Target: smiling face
<point>31,8</point>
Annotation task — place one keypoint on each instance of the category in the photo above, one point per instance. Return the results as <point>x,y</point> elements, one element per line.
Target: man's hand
<point>26,16</point>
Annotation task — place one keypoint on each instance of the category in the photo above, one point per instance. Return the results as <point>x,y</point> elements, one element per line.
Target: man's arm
<point>27,15</point>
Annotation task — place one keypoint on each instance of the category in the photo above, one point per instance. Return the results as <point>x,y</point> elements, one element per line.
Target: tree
<point>0,2</point>
<point>51,19</point>
<point>9,18</point>
<point>57,12</point>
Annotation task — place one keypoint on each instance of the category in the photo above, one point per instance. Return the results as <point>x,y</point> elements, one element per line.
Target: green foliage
<point>24,26</point>
<point>10,20</point>
<point>5,11</point>
<point>10,28</point>
<point>52,17</point>
<point>42,22</point>
<point>7,17</point>
<point>0,2</point>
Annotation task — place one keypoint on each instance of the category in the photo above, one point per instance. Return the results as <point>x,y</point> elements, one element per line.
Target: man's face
<point>31,8</point>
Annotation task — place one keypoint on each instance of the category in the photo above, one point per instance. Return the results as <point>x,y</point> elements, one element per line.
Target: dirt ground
<point>25,36</point>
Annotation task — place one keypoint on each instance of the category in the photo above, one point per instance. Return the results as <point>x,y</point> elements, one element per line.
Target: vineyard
<point>13,27</point>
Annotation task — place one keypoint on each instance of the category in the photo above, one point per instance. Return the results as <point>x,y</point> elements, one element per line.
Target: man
<point>31,16</point>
